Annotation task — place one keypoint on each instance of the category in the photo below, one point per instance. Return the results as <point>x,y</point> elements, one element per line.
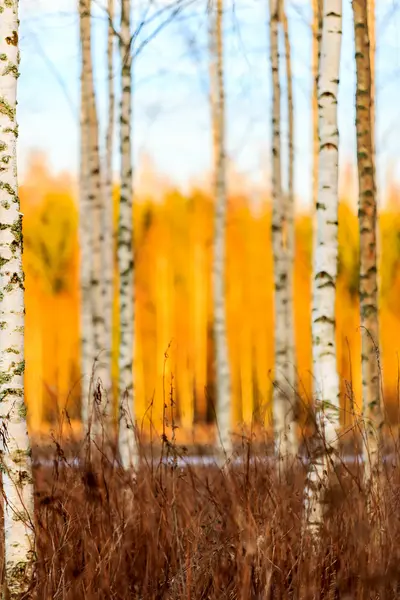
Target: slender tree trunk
<point>96,190</point>
<point>290,245</point>
<point>222,367</point>
<point>85,223</point>
<point>15,453</point>
<point>367,218</point>
<point>282,393</point>
<point>372,52</point>
<point>213,75</point>
<point>325,264</point>
<point>200,313</point>
<point>125,252</point>
<point>316,55</point>
<point>108,217</point>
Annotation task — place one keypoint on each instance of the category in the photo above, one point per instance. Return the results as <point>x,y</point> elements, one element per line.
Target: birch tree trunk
<point>126,437</point>
<point>325,264</point>
<point>93,190</point>
<point>213,75</point>
<point>372,52</point>
<point>316,57</point>
<point>222,367</point>
<point>290,245</point>
<point>282,393</point>
<point>108,218</point>
<point>85,223</point>
<point>367,219</point>
<point>316,54</point>
<point>16,452</point>
<point>96,203</point>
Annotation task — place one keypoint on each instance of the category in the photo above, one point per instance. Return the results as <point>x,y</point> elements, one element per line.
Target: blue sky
<point>171,112</point>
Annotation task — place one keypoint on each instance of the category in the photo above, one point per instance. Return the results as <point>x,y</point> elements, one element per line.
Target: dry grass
<point>205,533</point>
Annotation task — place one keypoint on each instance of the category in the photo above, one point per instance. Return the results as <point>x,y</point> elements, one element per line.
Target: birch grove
<point>326,378</point>
<point>222,367</point>
<point>367,217</point>
<point>282,241</point>
<point>19,543</point>
<point>126,435</point>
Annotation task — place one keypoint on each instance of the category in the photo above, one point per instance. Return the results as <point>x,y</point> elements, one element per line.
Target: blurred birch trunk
<point>125,251</point>
<point>85,223</point>
<point>92,235</point>
<point>217,95</point>
<point>290,244</point>
<point>367,218</point>
<point>283,392</point>
<point>108,247</point>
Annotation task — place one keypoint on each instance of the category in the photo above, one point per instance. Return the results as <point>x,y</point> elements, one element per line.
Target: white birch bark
<point>85,225</point>
<point>290,245</point>
<point>222,367</point>
<point>108,219</point>
<point>96,203</point>
<point>316,56</point>
<point>283,395</point>
<point>125,250</point>
<point>367,217</point>
<point>15,452</point>
<point>325,264</point>
<point>372,52</point>
<point>94,188</point>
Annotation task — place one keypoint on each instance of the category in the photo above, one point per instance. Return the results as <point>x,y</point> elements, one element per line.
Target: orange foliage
<point>173,245</point>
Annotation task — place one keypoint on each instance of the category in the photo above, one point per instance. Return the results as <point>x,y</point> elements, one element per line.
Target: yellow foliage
<point>50,241</point>
<point>173,258</point>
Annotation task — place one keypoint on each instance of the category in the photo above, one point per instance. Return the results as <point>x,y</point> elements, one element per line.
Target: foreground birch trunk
<point>367,218</point>
<point>126,436</point>
<point>85,224</point>
<point>15,453</point>
<point>222,367</point>
<point>283,394</point>
<point>325,265</point>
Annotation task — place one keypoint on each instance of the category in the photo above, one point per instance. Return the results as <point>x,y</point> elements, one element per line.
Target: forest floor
<point>200,532</point>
